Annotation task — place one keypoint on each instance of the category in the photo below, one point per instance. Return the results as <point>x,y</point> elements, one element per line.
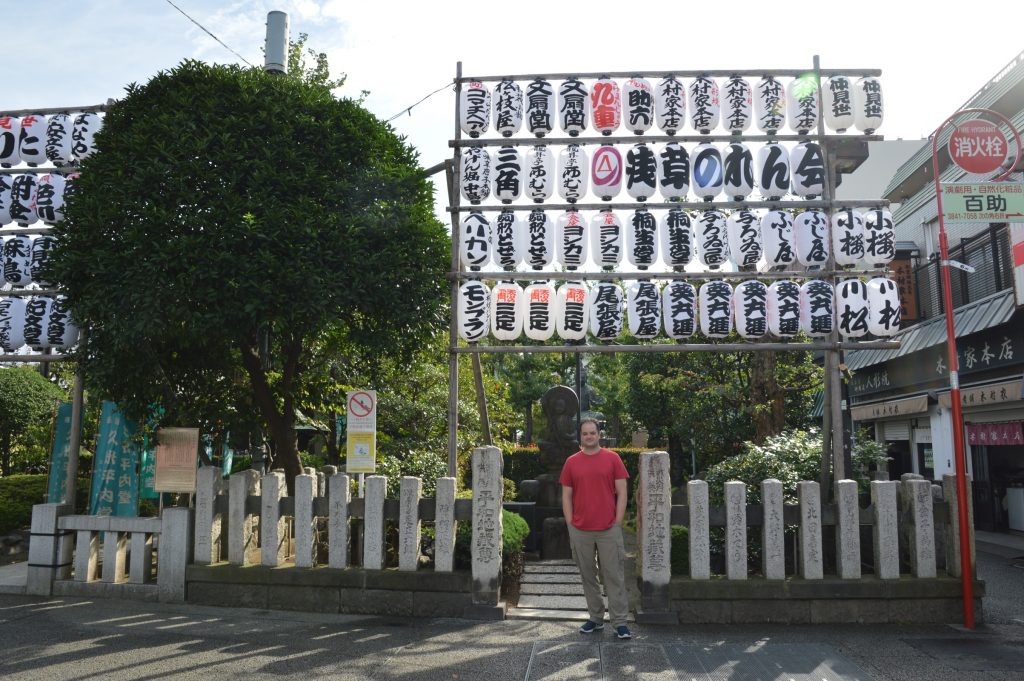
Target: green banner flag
<point>56,489</point>
<point>115,479</point>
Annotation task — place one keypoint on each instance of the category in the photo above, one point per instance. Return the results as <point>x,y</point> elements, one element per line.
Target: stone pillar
<point>885,533</point>
<point>953,526</point>
<point>142,558</point>
<point>373,522</point>
<point>700,530</point>
<point>444,525</point>
<point>305,525</point>
<point>175,553</point>
<point>655,540</point>
<point>115,554</point>
<point>49,549</point>
<point>242,527</point>
<point>409,524</point>
<point>273,526</point>
<point>87,556</point>
<point>208,522</point>
<point>922,528</point>
<point>321,484</point>
<point>847,530</point>
<point>339,494</point>
<point>773,531</point>
<point>487,525</point>
<point>735,530</point>
<point>809,497</point>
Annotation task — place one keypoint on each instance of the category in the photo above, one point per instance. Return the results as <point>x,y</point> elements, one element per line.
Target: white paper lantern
<point>32,140</point>
<point>573,173</point>
<point>643,303</point>
<point>23,200</point>
<point>738,171</point>
<point>606,106</point>
<point>639,97</point>
<point>509,240</point>
<point>50,198</point>
<point>810,234</point>
<point>744,230</point>
<point>642,245</point>
<point>737,100</point>
<point>507,311</point>
<point>61,331</point>
<point>706,173</point>
<point>508,174</point>
<point>474,318</point>
<point>540,174</point>
<point>777,239</point>
<point>606,172</point>
<point>673,171</point>
<point>18,260</point>
<point>606,239</point>
<point>712,240</point>
<point>679,309</point>
<point>769,105</point>
<point>572,240</point>
<point>606,311</point>
<point>540,240</point>
<point>83,138</point>
<point>5,198</point>
<point>572,311</point>
<point>883,307</point>
<point>676,237</point>
<point>12,323</point>
<point>704,104</point>
<point>802,104</point>
<point>475,174</point>
<point>641,172</point>
<point>772,171</point>
<point>540,107</point>
<point>867,105</point>
<point>573,106</point>
<point>475,241</point>
<point>879,238</point>
<point>837,100</point>
<point>42,246</point>
<point>10,132</point>
<point>817,308</point>
<point>539,323</point>
<point>807,170</point>
<point>508,108</point>
<point>750,302</point>
<point>474,109</point>
<point>715,309</point>
<point>36,312</point>
<point>670,104</point>
<point>847,237</point>
<point>784,309</point>
<point>60,128</point>
<point>852,308</point>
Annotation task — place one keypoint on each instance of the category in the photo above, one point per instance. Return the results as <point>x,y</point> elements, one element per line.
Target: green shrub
<point>513,537</point>
<point>19,493</point>
<point>788,457</point>
<point>680,550</point>
<point>427,466</point>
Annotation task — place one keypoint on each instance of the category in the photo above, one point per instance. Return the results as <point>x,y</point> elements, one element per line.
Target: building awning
<point>890,409</point>
<point>984,395</point>
<point>818,406</point>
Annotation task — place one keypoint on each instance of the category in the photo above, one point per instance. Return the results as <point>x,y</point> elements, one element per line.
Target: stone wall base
<point>121,590</point>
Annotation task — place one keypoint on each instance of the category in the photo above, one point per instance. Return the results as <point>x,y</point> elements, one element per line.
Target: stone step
<point>552,602</point>
<point>557,578</point>
<point>553,561</point>
<point>546,614</point>
<point>546,568</point>
<point>558,589</point>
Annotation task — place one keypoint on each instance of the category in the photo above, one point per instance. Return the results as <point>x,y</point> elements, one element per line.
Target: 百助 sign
<point>991,202</point>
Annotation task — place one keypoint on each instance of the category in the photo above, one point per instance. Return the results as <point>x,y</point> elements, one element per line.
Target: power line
<point>208,32</point>
<point>408,109</point>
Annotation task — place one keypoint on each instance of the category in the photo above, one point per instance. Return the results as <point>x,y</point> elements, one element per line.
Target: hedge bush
<point>19,493</point>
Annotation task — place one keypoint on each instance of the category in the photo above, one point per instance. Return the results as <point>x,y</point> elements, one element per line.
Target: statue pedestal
<point>555,541</point>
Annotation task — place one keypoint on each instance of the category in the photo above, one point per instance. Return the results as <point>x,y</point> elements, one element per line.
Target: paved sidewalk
<point>12,578</point>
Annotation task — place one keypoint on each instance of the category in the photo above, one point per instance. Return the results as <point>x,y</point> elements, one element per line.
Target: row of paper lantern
<point>39,322</point>
<point>638,105</point>
<point>751,309</point>
<point>669,170</point>
<point>714,239</point>
<point>26,259</point>
<point>26,199</point>
<point>60,139</point>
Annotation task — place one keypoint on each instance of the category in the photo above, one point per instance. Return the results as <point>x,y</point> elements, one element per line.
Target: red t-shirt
<point>592,478</point>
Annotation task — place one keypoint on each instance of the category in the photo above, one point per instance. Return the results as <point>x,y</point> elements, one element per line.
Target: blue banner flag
<point>56,489</point>
<point>115,479</point>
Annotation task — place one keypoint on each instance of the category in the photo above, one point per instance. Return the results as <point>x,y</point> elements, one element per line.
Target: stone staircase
<point>550,590</point>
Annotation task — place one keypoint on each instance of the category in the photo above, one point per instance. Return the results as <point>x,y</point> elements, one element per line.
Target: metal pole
<point>76,439</point>
<point>453,333</point>
<point>579,390</point>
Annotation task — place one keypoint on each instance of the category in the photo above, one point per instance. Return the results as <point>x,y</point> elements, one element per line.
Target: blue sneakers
<point>589,627</point>
<point>622,631</point>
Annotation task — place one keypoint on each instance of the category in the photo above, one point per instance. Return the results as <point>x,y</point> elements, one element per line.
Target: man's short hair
<point>594,421</point>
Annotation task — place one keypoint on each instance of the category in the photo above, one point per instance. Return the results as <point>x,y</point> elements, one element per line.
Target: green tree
<point>233,226</point>
<point>27,400</point>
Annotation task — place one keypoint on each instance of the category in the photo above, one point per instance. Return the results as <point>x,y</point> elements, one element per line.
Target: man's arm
<point>620,501</point>
<point>567,503</point>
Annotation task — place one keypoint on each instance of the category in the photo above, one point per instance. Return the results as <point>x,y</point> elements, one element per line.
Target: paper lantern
<point>508,108</point>
<point>738,171</point>
<point>777,239</point>
<point>474,320</point>
<point>573,173</point>
<point>83,136</point>
<point>704,104</point>
<point>810,234</point>
<point>643,303</point>
<point>18,260</point>
<point>475,241</point>
<point>32,139</point>
<point>606,239</point>
<point>817,316</point>
<point>802,104</point>
<point>10,132</point>
<point>837,100</point>
<point>712,241</point>
<point>606,172</point>
<point>508,174</point>
<point>12,323</point>
<point>509,237</point>
<point>750,302</point>
<point>769,105</point>
<point>572,311</point>
<point>673,171</point>
<point>706,163</point>
<point>540,240</point>
<point>606,311</point>
<point>23,200</point>
<point>475,174</point>
<point>6,182</point>
<point>572,240</point>
<point>540,107</point>
<point>42,246</point>
<point>639,97</point>
<point>670,104</point>
<point>36,312</point>
<point>867,105</point>
<point>883,307</point>
<point>61,331</point>
<point>737,100</point>
<point>539,322</point>
<point>50,198</point>
<point>507,311</point>
<point>807,168</point>
<point>573,106</point>
<point>879,238</point>
<point>772,171</point>
<point>676,238</point>
<point>59,131</point>
<point>784,309</point>
<point>852,308</point>
<point>744,230</point>
<point>606,106</point>
<point>679,309</point>
<point>847,237</point>
<point>641,172</point>
<point>540,174</point>
<point>715,299</point>
<point>642,245</point>
<point>474,109</point>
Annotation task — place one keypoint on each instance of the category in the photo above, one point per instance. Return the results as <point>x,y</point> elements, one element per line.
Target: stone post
<point>953,526</point>
<point>142,558</point>
<point>305,525</point>
<point>922,528</point>
<point>373,522</point>
<point>87,556</point>
<point>115,554</point>
<point>809,497</point>
<point>174,554</point>
<point>208,523</point>
<point>339,495</point>
<point>847,530</point>
<point>487,525</point>
<point>444,525</point>
<point>242,528</point>
<point>885,535</point>
<point>735,530</point>
<point>273,526</point>
<point>409,524</point>
<point>655,540</point>
<point>773,531</point>
<point>49,549</point>
<point>700,529</point>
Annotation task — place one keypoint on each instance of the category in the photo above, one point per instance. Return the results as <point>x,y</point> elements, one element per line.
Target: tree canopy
<point>26,399</point>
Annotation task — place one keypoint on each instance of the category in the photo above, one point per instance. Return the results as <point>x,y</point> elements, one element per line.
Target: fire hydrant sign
<point>992,202</point>
<point>361,424</point>
<point>978,146</point>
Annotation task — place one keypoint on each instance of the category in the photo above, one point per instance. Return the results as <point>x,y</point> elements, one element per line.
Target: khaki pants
<point>610,553</point>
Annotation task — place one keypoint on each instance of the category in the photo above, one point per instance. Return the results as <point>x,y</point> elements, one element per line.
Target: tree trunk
<point>528,435</point>
<point>333,446</point>
<point>768,405</point>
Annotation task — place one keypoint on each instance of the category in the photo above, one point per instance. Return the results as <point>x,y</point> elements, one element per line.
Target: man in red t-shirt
<point>594,501</point>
